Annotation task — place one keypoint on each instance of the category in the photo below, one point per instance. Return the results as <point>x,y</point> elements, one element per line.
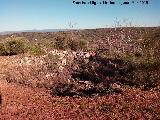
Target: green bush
<point>60,43</point>
<point>45,43</point>
<point>73,45</point>
<point>63,43</point>
<point>77,44</point>
<point>3,51</point>
<point>15,45</point>
<point>37,50</point>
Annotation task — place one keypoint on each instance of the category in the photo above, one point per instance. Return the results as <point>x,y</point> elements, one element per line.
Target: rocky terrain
<point>111,79</point>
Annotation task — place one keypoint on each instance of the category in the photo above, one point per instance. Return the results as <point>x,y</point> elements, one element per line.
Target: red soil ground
<point>21,102</point>
<point>25,103</point>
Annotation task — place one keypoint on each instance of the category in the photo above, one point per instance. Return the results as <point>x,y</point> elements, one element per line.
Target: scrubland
<point>100,74</point>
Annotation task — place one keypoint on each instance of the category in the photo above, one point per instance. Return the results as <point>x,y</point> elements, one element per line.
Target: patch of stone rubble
<point>26,63</point>
<point>64,57</point>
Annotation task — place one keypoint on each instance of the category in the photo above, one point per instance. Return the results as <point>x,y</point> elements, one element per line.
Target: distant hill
<point>34,30</point>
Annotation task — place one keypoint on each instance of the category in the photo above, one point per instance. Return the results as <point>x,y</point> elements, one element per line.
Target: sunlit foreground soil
<point>20,102</point>
<point>26,103</point>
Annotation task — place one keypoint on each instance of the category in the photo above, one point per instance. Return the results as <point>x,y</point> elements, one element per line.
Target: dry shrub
<point>83,44</point>
<point>151,46</point>
<point>147,75</point>
<point>95,77</point>
<point>33,76</point>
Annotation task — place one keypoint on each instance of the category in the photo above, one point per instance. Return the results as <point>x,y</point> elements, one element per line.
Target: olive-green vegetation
<point>13,46</point>
<point>68,43</point>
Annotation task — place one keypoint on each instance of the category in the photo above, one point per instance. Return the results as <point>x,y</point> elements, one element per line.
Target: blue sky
<point>57,14</point>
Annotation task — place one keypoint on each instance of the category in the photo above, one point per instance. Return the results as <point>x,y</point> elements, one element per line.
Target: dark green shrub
<point>60,43</point>
<point>62,89</point>
<point>147,75</point>
<point>96,77</point>
<point>14,47</point>
<point>105,70</point>
<point>73,45</point>
<point>77,44</point>
<point>3,51</point>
